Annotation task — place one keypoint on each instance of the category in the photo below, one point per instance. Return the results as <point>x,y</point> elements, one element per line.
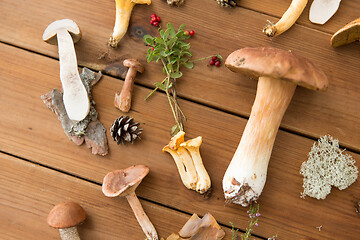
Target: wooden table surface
<point>40,167</point>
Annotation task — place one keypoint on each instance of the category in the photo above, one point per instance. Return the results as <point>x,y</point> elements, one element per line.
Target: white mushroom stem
<point>145,223</point>
<point>203,184</point>
<point>75,96</point>
<point>287,20</point>
<point>70,233</point>
<point>245,177</point>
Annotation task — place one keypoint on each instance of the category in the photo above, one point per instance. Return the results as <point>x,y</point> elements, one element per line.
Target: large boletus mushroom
<point>279,73</point>
<point>347,34</point>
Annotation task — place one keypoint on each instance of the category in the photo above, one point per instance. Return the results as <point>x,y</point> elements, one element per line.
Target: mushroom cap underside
<point>277,64</point>
<point>347,34</point>
<point>50,32</point>
<point>120,182</point>
<point>133,63</point>
<point>66,214</point>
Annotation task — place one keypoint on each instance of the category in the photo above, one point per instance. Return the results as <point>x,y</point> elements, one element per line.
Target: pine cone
<point>227,3</point>
<point>124,130</point>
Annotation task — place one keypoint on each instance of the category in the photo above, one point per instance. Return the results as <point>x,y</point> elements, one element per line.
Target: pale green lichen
<point>327,166</point>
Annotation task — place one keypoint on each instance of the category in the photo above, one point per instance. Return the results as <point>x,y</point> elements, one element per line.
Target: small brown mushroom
<point>279,73</point>
<point>65,217</point>
<point>347,34</point>
<point>123,100</point>
<point>123,183</point>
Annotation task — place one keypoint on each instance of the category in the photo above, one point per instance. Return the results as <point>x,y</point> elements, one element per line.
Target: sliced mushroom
<point>65,33</point>
<point>347,34</point>
<point>322,10</point>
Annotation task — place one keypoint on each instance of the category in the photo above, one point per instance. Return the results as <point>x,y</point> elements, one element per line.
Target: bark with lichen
<point>90,129</point>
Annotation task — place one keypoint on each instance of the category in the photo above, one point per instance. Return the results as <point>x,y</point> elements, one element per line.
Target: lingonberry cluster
<point>155,20</point>
<point>191,33</point>
<point>215,61</point>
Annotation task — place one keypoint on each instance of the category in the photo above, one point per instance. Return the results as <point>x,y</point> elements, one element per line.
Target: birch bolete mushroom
<point>123,100</point>
<point>65,217</point>
<point>123,183</point>
<point>347,34</point>
<point>183,160</point>
<point>65,33</point>
<point>123,13</point>
<point>287,20</point>
<point>279,73</point>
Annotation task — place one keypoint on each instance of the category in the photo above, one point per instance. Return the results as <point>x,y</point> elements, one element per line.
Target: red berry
<point>192,32</point>
<point>158,19</point>
<point>211,62</point>
<point>217,63</point>
<point>186,32</point>
<point>156,24</point>
<point>153,19</point>
<point>152,48</point>
<point>214,58</point>
<point>153,15</point>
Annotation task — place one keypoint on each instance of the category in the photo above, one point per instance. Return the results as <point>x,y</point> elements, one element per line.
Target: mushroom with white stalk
<point>287,20</point>
<point>322,10</point>
<point>347,34</point>
<point>65,217</point>
<point>123,183</point>
<point>65,33</point>
<point>279,73</point>
<point>123,13</point>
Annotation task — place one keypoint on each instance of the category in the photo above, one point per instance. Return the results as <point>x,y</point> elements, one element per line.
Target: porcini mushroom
<point>183,160</point>
<point>123,100</point>
<point>322,10</point>
<point>123,13</point>
<point>203,183</point>
<point>287,20</point>
<point>65,217</point>
<point>65,33</point>
<point>279,73</point>
<point>123,183</point>
<point>347,34</point>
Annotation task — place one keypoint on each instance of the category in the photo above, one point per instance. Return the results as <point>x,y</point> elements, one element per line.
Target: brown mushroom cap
<point>50,32</point>
<point>347,34</point>
<point>277,64</point>
<point>133,63</point>
<point>122,182</point>
<point>65,215</point>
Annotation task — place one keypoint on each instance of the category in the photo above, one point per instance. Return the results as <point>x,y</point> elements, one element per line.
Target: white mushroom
<point>203,184</point>
<point>322,10</point>
<point>65,33</point>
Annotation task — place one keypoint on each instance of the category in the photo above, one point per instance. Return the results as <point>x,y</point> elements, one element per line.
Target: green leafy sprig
<point>172,50</point>
<point>253,215</point>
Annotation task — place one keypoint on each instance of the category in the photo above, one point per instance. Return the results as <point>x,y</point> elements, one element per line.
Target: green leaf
<point>188,64</point>
<point>171,29</point>
<point>148,40</point>
<point>169,67</point>
<point>161,86</point>
<point>176,75</point>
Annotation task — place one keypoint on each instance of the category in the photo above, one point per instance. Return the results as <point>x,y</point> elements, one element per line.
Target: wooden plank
<point>28,192</point>
<point>30,130</point>
<point>310,113</point>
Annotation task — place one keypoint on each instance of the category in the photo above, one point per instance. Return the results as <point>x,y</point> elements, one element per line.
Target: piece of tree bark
<point>89,129</point>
